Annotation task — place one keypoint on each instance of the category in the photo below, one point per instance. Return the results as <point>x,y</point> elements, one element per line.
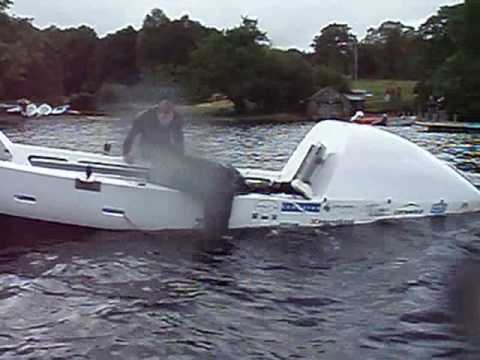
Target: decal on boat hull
<point>439,208</point>
<point>409,209</point>
<point>300,208</point>
<point>379,210</point>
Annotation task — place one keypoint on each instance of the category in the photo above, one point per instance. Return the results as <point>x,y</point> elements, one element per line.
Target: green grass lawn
<point>215,108</point>
<point>378,87</point>
<point>375,104</point>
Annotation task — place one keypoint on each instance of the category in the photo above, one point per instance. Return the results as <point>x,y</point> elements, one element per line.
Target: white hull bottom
<point>32,226</point>
<point>366,175</point>
<point>256,222</point>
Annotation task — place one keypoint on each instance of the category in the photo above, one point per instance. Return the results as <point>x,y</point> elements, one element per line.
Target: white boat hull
<point>366,175</point>
<point>43,110</point>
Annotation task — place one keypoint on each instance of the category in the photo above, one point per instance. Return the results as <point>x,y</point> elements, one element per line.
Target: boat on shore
<point>382,120</point>
<point>401,121</point>
<point>341,173</point>
<point>370,119</point>
<point>27,109</point>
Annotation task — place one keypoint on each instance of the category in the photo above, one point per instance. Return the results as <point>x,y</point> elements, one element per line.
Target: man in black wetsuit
<point>160,128</point>
<point>160,131</point>
<point>162,144</point>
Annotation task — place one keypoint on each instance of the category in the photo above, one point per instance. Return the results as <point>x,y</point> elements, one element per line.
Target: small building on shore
<point>357,99</point>
<point>328,103</point>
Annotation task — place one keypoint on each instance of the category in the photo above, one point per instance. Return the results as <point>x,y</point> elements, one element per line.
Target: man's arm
<point>134,131</point>
<point>177,133</point>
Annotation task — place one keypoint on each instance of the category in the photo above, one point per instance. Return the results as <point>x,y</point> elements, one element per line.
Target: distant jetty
<point>450,127</point>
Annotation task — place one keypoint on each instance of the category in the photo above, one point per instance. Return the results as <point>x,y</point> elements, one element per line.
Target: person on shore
<point>432,109</point>
<point>162,145</point>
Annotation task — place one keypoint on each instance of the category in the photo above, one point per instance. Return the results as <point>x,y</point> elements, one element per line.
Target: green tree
<point>324,76</point>
<point>370,58</point>
<point>29,66</point>
<point>241,64</point>
<point>333,47</point>
<point>229,62</point>
<point>116,58</point>
<point>440,37</point>
<point>458,78</point>
<point>156,19</point>
<point>167,42</point>
<point>78,50</point>
<point>283,79</point>
<point>221,65</point>
<point>390,51</point>
<point>5,4</point>
<point>472,35</point>
<point>248,34</point>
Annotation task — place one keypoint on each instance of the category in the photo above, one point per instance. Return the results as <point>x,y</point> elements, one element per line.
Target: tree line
<point>198,61</point>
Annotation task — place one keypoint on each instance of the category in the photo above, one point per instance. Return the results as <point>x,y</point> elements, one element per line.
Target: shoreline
<point>260,118</point>
<point>223,111</point>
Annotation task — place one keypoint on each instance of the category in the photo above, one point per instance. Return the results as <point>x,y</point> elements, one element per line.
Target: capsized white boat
<point>341,173</point>
<point>14,109</point>
<point>44,110</point>
<point>30,110</point>
<point>60,110</point>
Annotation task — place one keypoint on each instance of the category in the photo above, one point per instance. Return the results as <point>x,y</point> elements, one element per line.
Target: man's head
<point>165,112</point>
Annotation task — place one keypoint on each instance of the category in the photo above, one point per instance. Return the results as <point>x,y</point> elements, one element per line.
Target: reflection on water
<point>376,291</point>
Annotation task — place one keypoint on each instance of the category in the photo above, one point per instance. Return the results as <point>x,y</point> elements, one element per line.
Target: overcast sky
<point>289,23</point>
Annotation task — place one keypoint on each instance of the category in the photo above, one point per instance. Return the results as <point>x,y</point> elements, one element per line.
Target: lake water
<point>381,291</point>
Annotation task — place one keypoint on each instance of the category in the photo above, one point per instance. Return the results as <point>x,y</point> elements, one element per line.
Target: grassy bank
<point>225,111</point>
<point>377,102</point>
<point>215,108</point>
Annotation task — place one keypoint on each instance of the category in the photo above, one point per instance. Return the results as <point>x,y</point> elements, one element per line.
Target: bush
<point>112,93</point>
<point>83,101</point>
<point>325,76</point>
<point>459,81</point>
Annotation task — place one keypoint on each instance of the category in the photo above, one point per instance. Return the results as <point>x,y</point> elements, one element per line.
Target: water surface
<point>378,291</point>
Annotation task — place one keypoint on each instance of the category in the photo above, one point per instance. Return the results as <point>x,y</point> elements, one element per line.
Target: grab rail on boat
<point>58,163</point>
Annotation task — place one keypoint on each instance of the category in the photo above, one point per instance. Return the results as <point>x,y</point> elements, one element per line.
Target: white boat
<point>43,110</point>
<point>30,110</point>
<point>341,173</point>
<point>14,109</point>
<point>60,110</point>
